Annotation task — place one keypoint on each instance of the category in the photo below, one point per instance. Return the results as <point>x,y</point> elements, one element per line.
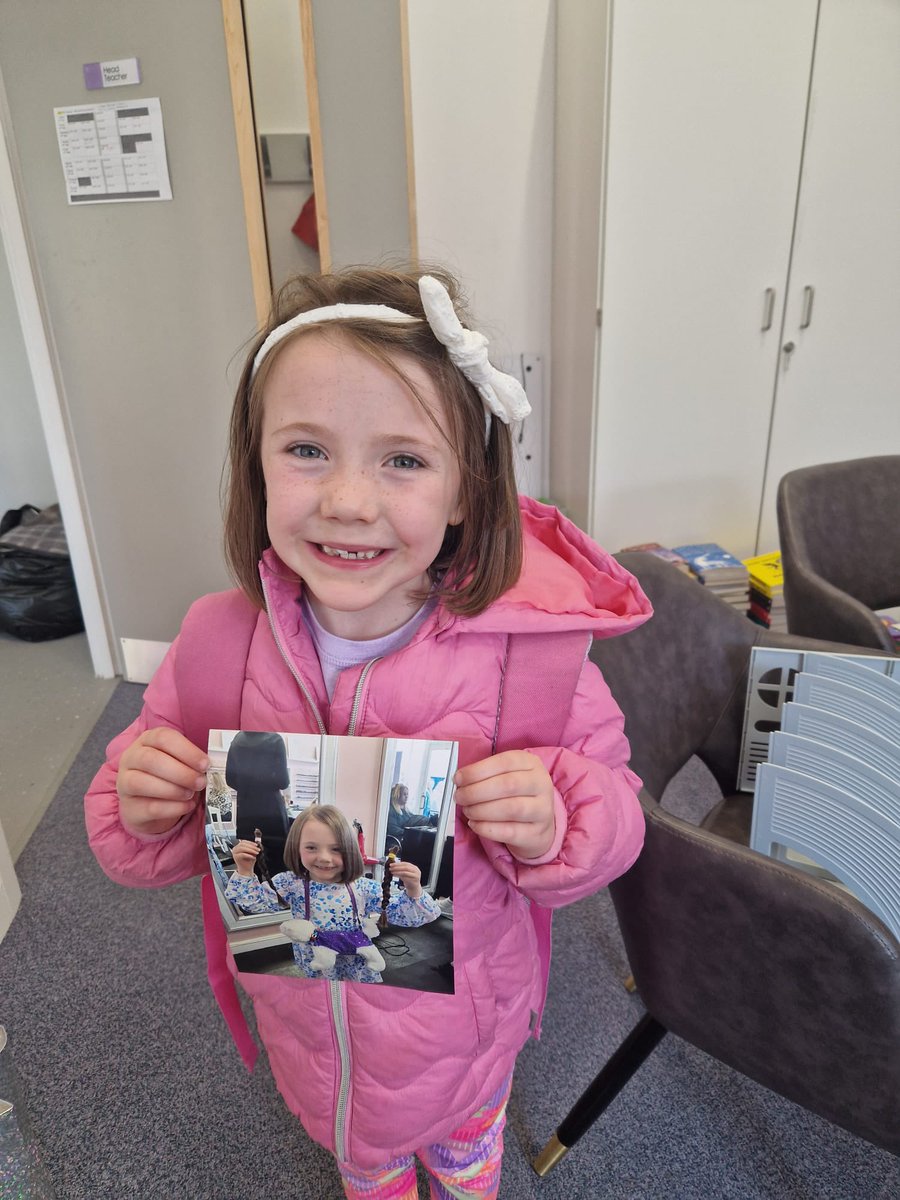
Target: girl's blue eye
<point>304,450</point>
<point>405,461</point>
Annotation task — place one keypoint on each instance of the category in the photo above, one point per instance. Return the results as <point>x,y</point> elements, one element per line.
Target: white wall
<point>482,80</point>
<point>25,476</point>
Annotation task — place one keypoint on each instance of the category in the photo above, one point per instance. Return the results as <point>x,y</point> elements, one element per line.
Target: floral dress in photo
<point>331,908</point>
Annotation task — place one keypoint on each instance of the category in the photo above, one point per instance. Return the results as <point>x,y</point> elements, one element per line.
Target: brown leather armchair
<point>840,548</point>
<point>782,976</point>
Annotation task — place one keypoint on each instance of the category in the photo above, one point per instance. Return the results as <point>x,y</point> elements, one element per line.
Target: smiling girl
<point>373,521</point>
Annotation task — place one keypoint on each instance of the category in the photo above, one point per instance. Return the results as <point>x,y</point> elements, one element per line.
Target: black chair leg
<point>599,1094</point>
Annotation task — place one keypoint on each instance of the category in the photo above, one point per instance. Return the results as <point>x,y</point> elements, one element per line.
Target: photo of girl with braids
<point>336,909</point>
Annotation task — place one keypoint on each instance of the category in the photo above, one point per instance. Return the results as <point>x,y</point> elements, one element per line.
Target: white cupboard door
<point>838,393</point>
<point>706,110</point>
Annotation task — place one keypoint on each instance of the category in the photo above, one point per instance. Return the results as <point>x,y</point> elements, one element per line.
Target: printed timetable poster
<point>114,151</point>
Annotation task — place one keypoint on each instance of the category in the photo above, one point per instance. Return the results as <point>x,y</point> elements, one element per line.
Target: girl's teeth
<point>350,553</point>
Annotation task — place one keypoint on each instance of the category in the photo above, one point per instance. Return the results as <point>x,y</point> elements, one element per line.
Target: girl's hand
<point>158,780</point>
<point>244,854</point>
<point>410,876</point>
<point>509,798</point>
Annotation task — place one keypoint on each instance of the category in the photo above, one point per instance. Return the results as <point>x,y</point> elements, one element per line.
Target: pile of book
<point>766,591</point>
<point>890,619</point>
<point>662,552</point>
<point>718,570</point>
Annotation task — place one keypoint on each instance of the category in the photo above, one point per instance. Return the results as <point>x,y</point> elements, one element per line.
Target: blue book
<point>704,557</point>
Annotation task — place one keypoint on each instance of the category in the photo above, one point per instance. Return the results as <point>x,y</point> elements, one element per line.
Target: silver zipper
<point>336,995</point>
<point>339,1017</point>
<point>357,699</point>
<point>290,666</point>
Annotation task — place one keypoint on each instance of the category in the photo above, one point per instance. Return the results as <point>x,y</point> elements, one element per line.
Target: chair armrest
<point>778,974</point>
<point>694,889</point>
<point>816,608</point>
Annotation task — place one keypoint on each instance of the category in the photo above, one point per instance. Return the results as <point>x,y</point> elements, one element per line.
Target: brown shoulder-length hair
<point>482,556</point>
<point>335,820</point>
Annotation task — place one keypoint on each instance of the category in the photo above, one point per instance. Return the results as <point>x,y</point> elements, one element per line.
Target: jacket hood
<point>568,582</point>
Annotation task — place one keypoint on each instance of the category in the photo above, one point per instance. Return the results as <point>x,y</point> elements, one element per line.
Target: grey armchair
<point>840,548</point>
<point>768,969</point>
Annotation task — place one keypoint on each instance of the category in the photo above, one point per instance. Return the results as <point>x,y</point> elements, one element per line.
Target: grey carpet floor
<point>49,701</point>
<point>134,1088</point>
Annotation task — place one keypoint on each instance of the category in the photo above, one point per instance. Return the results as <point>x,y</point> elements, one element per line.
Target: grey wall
<point>25,476</point>
<point>148,302</point>
<point>359,69</point>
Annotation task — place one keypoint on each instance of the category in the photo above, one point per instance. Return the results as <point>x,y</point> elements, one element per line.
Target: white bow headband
<point>500,393</point>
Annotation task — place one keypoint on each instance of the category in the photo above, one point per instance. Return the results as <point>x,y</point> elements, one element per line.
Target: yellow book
<point>765,572</point>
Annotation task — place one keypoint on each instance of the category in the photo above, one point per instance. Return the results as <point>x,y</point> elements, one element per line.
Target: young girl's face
<point>319,852</point>
<point>360,484</point>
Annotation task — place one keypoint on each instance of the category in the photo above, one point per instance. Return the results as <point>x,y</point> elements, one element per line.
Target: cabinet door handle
<point>806,315</point>
<point>768,309</point>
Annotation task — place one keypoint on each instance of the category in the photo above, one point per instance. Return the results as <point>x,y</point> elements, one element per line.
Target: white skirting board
<point>10,892</point>
<point>141,658</point>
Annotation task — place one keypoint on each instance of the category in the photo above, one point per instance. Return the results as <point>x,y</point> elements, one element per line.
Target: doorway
<point>25,292</point>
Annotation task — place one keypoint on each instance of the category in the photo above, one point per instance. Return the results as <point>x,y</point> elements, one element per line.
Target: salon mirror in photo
<point>332,857</point>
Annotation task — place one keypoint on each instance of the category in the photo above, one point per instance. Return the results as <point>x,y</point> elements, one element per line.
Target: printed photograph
<point>333,856</point>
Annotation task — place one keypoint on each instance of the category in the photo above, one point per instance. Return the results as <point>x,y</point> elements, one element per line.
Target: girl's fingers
<point>176,746</point>
<point>512,808</point>
<point>507,798</point>
<point>529,839</point>
<point>512,831</point>
<point>405,870</point>
<point>509,832</point>
<point>133,784</point>
<point>139,810</point>
<point>150,762</point>
<point>158,778</point>
<point>496,764</point>
<point>505,785</point>
<point>167,755</point>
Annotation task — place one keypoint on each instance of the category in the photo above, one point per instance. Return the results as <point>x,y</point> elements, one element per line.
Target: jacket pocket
<point>480,989</point>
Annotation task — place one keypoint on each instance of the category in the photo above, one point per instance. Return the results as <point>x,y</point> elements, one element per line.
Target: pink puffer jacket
<point>337,1050</point>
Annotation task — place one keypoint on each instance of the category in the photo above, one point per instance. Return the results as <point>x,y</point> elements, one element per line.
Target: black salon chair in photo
<point>840,549</point>
<point>782,976</point>
<point>257,769</point>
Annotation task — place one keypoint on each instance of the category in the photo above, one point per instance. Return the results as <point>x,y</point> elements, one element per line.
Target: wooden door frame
<point>248,155</point>
<point>248,148</point>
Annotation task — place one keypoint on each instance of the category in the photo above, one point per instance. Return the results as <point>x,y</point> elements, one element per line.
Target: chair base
<point>599,1094</point>
<point>549,1156</point>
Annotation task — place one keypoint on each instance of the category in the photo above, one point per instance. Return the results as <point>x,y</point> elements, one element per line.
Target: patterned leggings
<point>464,1167</point>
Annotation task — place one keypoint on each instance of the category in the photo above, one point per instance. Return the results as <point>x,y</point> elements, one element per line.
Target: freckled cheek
<point>287,500</point>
